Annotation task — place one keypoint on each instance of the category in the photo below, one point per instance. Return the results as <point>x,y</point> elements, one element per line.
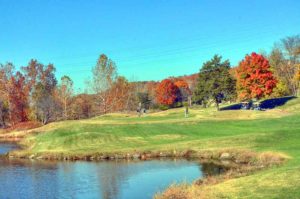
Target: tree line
<point>257,76</point>
<point>33,93</point>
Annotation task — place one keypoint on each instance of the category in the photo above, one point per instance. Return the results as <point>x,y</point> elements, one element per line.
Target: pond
<point>103,180</point>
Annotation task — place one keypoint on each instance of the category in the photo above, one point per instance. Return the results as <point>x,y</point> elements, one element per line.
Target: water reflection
<point>211,169</point>
<point>6,147</point>
<point>104,180</point>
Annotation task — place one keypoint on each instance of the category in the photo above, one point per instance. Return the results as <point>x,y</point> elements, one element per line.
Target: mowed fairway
<point>275,130</point>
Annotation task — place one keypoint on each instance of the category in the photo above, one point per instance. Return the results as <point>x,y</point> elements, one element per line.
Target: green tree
<point>215,82</point>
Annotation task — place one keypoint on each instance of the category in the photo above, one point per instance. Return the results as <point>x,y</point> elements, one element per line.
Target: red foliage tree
<point>254,77</point>
<point>18,98</point>
<point>166,92</point>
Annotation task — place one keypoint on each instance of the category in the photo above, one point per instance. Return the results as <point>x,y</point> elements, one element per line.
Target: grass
<point>276,130</point>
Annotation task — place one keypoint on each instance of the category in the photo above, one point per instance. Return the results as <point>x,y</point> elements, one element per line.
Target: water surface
<point>103,180</point>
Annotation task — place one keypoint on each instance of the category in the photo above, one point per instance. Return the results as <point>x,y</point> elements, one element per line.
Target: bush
<point>163,107</point>
<point>185,104</point>
<point>174,192</point>
<point>177,105</point>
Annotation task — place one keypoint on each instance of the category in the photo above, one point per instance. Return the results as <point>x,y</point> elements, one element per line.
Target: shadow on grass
<point>265,104</point>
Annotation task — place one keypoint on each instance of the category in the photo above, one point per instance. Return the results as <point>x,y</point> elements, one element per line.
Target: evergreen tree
<point>215,82</point>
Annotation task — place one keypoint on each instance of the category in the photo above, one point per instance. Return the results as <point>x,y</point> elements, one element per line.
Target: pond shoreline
<point>247,164</point>
<point>237,163</point>
<point>233,157</point>
<point>225,155</point>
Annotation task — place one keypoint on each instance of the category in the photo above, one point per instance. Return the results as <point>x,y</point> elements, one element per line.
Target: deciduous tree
<point>6,72</point>
<point>119,95</point>
<point>166,92</point>
<point>42,82</point>
<point>143,98</point>
<point>18,98</point>
<point>284,60</point>
<point>81,106</point>
<point>184,92</point>
<point>254,78</point>
<point>282,72</point>
<point>104,76</point>
<point>65,91</point>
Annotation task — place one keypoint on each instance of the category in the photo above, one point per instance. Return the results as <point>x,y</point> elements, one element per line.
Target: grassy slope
<point>275,130</point>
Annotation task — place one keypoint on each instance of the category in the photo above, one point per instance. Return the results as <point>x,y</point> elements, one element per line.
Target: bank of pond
<point>118,179</point>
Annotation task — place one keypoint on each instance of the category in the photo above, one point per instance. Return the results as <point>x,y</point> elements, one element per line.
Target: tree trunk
<point>2,123</point>
<point>186,113</point>
<point>190,101</point>
<point>65,109</point>
<point>217,104</point>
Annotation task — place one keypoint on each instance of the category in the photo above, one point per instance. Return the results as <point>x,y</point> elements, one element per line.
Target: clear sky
<point>148,39</point>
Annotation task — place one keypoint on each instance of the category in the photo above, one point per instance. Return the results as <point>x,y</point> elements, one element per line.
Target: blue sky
<point>148,40</point>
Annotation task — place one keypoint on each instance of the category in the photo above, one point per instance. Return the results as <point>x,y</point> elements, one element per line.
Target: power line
<point>184,39</point>
<point>151,58</point>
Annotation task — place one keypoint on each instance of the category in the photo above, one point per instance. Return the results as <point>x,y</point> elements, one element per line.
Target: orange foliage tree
<point>166,92</point>
<point>298,73</point>
<point>184,93</point>
<point>181,84</point>
<point>81,106</point>
<point>254,77</point>
<point>119,95</point>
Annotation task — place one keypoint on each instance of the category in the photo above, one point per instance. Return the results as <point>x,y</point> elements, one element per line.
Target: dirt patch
<point>167,136</point>
<point>23,126</point>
